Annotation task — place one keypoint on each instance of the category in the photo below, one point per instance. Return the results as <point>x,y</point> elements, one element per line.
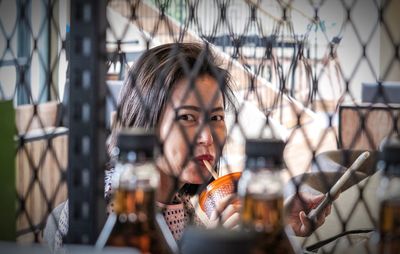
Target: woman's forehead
<point>205,92</point>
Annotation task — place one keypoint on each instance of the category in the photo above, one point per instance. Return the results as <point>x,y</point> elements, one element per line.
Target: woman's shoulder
<point>56,226</point>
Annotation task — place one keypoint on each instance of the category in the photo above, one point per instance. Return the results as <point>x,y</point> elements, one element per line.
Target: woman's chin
<point>195,177</point>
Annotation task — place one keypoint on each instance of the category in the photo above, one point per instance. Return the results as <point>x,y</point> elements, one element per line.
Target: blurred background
<point>321,75</point>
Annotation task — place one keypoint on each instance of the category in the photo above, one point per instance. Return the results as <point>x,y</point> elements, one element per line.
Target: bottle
<point>135,222</point>
<point>261,191</point>
<point>389,196</point>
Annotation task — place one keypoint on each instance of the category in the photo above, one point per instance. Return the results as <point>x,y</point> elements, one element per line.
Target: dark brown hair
<point>150,81</point>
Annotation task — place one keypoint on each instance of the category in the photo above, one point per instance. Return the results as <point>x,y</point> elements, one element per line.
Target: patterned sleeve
<point>62,229</point>
<point>109,174</point>
<point>175,218</point>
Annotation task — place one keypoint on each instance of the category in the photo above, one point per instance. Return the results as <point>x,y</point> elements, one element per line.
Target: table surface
<point>12,247</point>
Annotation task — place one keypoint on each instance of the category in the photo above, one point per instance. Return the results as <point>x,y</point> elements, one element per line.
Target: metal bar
<point>24,49</point>
<point>87,135</point>
<point>44,135</point>
<point>17,61</point>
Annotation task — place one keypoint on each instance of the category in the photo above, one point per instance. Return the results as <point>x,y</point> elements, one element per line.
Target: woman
<point>180,91</point>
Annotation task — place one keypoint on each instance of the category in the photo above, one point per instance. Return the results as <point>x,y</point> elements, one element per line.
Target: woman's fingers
<point>227,206</point>
<point>308,226</point>
<point>232,221</point>
<point>226,212</point>
<point>314,201</point>
<point>328,210</point>
<point>213,222</point>
<point>320,219</point>
<point>229,211</point>
<point>224,202</point>
<point>305,228</point>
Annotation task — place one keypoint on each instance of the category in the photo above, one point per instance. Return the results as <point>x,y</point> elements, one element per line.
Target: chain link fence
<point>321,75</point>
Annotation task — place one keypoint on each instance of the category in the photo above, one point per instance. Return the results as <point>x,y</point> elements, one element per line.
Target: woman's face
<point>192,129</point>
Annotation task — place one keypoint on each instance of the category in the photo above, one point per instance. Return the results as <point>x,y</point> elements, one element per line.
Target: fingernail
<point>214,215</point>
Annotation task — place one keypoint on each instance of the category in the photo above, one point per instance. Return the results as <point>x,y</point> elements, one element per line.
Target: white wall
<point>8,16</point>
<point>37,59</point>
<point>332,13</point>
<point>390,71</point>
<point>364,14</point>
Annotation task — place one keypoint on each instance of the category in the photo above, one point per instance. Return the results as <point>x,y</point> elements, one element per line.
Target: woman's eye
<point>186,117</point>
<point>217,118</point>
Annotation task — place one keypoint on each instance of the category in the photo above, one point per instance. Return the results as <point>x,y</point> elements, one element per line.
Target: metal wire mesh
<point>32,65</point>
<point>308,72</point>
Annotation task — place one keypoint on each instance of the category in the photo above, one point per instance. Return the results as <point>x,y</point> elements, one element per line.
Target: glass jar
<point>389,197</point>
<point>261,191</point>
<point>134,221</point>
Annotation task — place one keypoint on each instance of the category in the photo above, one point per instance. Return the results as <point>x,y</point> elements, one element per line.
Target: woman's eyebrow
<point>217,109</point>
<point>198,109</point>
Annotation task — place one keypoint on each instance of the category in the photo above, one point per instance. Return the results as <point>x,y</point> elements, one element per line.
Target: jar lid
<point>137,140</point>
<point>264,152</point>
<point>390,155</point>
<point>391,149</point>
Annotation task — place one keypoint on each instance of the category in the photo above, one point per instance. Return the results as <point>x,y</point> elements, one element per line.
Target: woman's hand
<point>227,213</point>
<point>296,209</point>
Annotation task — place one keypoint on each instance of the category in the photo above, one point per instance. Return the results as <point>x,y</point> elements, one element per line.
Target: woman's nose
<point>205,136</point>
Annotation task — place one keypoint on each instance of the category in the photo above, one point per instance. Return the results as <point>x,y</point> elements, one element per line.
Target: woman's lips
<point>205,157</point>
